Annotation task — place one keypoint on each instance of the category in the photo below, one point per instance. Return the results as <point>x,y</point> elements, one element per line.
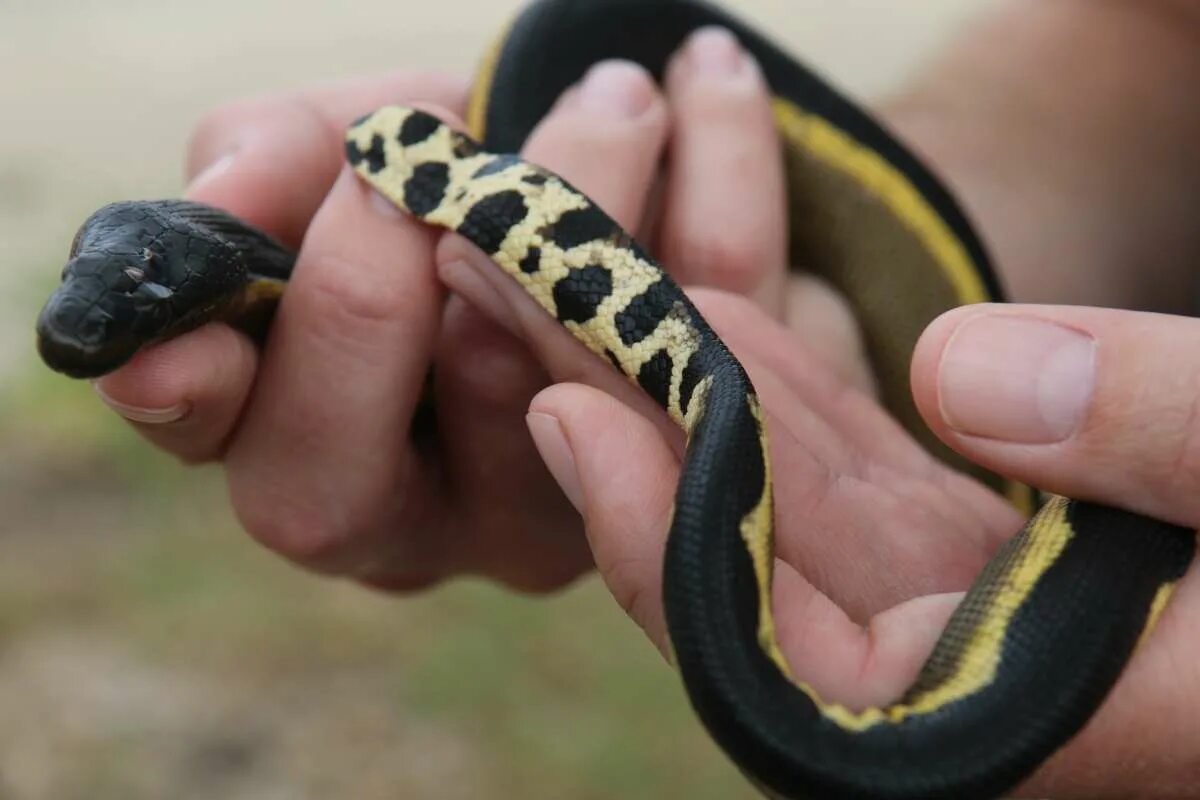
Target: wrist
<point>1064,128</point>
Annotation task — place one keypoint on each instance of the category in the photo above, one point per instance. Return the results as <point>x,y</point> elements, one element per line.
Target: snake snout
<point>78,337</point>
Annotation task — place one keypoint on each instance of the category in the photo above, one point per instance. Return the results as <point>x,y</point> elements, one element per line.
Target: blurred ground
<point>146,648</point>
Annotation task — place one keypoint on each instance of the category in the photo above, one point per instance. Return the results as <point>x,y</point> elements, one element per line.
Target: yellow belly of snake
<point>1043,633</point>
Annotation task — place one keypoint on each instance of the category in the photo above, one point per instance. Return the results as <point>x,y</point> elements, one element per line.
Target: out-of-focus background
<point>147,648</point>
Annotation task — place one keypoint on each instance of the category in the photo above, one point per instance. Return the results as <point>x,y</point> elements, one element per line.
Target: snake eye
<point>155,292</point>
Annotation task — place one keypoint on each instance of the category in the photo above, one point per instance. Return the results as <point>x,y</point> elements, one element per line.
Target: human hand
<point>875,542</point>
<point>1098,405</point>
<point>314,432</point>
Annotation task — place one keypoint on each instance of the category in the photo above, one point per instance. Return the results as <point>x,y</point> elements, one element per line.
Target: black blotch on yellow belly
<point>580,293</point>
<point>497,164</point>
<point>580,225</point>
<point>531,261</point>
<point>535,179</point>
<point>373,155</point>
<point>417,128</point>
<point>426,188</point>
<point>488,221</point>
<point>692,373</point>
<point>644,312</point>
<point>655,377</point>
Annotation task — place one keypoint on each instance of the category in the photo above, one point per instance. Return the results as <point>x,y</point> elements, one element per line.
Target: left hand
<point>313,430</point>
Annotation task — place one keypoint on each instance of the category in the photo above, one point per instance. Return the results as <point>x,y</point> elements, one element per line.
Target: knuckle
<point>1147,452</point>
<point>707,103</point>
<point>538,582</point>
<point>224,128</point>
<point>720,258</point>
<point>195,453</point>
<point>1183,465</point>
<point>216,130</point>
<point>630,80</point>
<point>576,134</point>
<point>212,123</point>
<point>626,581</point>
<point>293,530</point>
<point>403,584</point>
<point>341,296</point>
<point>725,111</point>
<point>477,359</point>
<point>724,310</point>
<point>493,381</point>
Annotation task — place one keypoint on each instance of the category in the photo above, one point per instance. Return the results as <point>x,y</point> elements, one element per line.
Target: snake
<point>1047,627</point>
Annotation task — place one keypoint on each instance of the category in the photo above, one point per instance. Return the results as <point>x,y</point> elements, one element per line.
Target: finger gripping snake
<point>1046,629</point>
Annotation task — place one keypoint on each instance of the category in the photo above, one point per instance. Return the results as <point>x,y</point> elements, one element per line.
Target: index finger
<point>271,160</point>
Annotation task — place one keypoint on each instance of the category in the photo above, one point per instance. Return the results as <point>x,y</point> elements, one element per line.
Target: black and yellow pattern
<point>985,709</point>
<point>1046,629</point>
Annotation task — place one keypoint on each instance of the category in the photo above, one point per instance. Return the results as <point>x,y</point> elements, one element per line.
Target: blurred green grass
<point>149,649</point>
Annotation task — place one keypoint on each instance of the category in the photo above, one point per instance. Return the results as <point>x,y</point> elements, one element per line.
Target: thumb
<point>1092,403</point>
<point>620,472</point>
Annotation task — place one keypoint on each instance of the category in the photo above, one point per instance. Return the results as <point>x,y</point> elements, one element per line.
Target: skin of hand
<point>314,431</point>
<point>1068,131</point>
<point>889,537</point>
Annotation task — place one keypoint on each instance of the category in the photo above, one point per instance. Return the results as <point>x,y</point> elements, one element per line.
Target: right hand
<point>314,430</point>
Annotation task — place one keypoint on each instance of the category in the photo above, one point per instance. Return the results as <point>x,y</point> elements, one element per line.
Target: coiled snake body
<point>1046,629</point>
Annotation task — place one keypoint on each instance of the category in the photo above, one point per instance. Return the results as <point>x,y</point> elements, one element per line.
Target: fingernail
<point>715,51</point>
<point>552,444</point>
<point>616,87</point>
<point>150,416</point>
<point>212,171</point>
<point>1016,379</point>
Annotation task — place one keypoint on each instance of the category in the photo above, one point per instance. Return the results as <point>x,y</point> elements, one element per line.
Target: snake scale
<point>1041,636</point>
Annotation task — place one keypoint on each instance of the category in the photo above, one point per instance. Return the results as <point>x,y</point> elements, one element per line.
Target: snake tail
<point>1002,689</point>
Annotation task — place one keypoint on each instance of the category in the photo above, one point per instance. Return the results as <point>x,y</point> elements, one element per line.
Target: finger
<point>321,470</point>
<point>621,475</point>
<point>271,160</point>
<point>605,137</point>
<point>484,380</point>
<point>619,471</point>
<point>185,396</point>
<point>823,319</point>
<point>725,221</point>
<point>1092,403</point>
<point>858,665</point>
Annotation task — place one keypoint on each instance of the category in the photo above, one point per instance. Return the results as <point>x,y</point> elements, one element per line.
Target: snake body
<point>1043,633</point>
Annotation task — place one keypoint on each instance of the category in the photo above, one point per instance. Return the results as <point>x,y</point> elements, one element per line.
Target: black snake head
<point>138,272</point>
<point>100,315</point>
